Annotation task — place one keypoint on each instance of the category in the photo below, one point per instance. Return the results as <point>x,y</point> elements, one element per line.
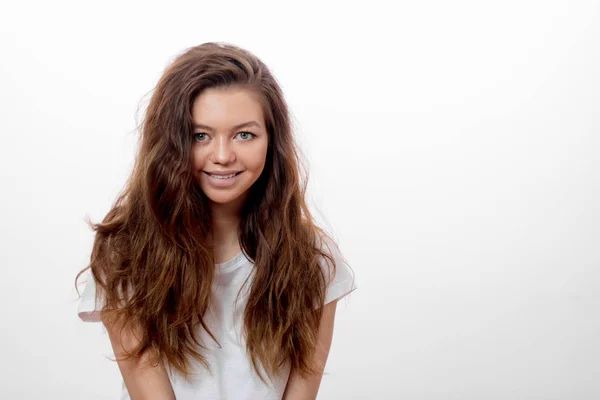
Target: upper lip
<point>222,172</point>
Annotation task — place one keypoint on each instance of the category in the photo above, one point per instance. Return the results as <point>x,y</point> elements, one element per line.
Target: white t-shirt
<point>231,375</point>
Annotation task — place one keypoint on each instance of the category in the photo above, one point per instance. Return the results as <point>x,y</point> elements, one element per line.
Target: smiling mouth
<point>217,176</point>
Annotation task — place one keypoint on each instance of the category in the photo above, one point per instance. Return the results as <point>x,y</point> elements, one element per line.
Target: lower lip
<point>222,182</point>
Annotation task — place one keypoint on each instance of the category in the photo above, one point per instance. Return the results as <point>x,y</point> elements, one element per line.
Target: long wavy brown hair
<point>151,257</point>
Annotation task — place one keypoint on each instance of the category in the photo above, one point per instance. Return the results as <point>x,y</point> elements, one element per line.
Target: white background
<point>454,150</point>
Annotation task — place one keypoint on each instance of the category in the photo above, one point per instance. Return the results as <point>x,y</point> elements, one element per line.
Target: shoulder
<point>339,275</point>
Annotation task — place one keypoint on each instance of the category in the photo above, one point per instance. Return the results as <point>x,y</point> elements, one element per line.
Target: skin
<point>301,388</point>
<point>218,145</point>
<point>143,380</point>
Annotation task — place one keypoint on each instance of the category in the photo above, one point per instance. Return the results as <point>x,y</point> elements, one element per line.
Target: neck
<point>225,222</point>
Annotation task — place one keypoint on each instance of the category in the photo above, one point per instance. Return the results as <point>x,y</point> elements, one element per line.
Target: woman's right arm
<point>143,381</point>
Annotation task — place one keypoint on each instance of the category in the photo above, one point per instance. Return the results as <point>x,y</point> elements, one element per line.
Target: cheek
<point>198,159</point>
<point>256,160</point>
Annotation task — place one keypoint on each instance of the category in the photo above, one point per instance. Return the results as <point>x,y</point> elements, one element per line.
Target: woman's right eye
<point>200,136</point>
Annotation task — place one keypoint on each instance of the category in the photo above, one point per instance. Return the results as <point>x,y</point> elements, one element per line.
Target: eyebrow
<point>245,124</point>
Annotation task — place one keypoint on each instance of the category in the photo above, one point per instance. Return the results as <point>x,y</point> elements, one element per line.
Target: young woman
<point>209,273</point>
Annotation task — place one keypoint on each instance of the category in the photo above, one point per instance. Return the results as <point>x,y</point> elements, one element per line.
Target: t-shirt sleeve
<point>89,307</point>
<point>343,281</point>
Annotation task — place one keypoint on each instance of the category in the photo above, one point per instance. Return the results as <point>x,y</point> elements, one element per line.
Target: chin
<point>223,198</point>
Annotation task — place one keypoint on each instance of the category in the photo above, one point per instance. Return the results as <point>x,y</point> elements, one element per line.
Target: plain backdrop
<point>453,149</point>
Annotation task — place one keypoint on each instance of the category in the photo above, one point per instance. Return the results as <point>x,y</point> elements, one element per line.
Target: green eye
<point>245,136</point>
<point>248,135</point>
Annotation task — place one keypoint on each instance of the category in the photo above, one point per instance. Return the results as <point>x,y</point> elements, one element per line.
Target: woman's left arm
<point>306,388</point>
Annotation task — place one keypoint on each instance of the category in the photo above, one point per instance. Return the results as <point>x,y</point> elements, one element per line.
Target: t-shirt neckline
<point>232,263</point>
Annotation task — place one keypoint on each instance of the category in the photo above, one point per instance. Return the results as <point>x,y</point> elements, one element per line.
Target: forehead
<point>223,108</point>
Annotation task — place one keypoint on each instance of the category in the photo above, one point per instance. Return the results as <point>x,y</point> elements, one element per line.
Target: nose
<point>223,153</point>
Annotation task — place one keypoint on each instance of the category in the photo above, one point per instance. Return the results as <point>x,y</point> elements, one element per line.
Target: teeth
<point>222,176</point>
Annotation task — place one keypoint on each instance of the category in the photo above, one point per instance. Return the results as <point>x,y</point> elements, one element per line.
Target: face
<point>230,138</point>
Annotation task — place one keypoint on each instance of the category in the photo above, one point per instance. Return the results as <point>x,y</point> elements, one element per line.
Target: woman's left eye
<point>248,135</point>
